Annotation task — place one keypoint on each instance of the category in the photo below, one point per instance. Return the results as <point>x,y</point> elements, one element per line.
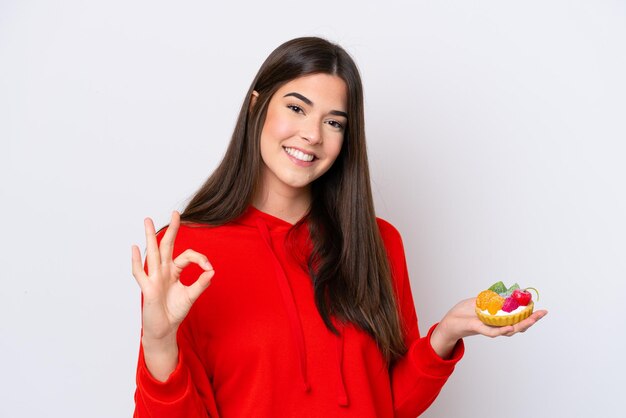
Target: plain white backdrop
<point>496,137</point>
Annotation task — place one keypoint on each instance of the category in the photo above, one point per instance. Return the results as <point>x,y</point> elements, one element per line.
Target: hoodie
<point>255,345</point>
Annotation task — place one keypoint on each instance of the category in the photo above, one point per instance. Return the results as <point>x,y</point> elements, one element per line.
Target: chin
<point>299,184</point>
<point>297,180</point>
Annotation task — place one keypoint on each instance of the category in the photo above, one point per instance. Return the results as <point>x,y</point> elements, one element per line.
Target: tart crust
<point>504,320</point>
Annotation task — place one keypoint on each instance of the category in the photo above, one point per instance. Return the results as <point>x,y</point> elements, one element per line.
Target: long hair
<point>348,265</point>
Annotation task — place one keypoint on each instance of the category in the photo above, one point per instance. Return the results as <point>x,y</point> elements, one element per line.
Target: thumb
<point>200,285</point>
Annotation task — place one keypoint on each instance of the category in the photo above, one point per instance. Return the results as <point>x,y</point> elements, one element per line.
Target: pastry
<point>499,306</point>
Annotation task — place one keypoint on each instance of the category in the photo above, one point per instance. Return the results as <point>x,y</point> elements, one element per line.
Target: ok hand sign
<point>166,301</point>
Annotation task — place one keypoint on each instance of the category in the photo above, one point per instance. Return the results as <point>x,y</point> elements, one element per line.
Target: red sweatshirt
<point>254,344</point>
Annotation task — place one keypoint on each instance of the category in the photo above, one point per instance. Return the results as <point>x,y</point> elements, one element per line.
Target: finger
<point>190,256</point>
<point>200,285</point>
<point>493,332</point>
<point>524,325</point>
<point>137,266</point>
<point>167,243</point>
<point>506,331</point>
<point>530,321</point>
<point>153,257</point>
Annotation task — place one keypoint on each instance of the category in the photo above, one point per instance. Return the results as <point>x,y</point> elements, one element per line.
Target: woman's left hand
<point>461,321</point>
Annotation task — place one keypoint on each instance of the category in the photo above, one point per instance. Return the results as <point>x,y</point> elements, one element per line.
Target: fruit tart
<point>499,306</point>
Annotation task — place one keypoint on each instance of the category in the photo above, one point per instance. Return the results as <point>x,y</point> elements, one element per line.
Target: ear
<point>253,99</point>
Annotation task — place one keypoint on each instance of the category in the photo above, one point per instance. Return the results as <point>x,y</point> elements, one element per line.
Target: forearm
<point>161,356</point>
<point>442,343</point>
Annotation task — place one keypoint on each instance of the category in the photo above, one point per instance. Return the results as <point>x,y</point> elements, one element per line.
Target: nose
<point>311,131</point>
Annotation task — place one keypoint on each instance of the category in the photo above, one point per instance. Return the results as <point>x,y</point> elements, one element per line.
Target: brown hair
<point>348,265</point>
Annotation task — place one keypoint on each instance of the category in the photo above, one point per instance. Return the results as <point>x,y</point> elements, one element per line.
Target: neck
<point>285,203</point>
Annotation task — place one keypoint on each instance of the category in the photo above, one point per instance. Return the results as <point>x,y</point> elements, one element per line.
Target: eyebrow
<point>310,103</point>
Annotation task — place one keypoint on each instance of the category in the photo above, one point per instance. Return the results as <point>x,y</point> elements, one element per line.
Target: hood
<point>268,225</point>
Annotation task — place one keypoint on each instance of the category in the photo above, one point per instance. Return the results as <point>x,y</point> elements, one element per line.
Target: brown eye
<point>295,108</point>
<point>335,124</point>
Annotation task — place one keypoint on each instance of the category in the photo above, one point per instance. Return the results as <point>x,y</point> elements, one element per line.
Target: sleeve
<point>187,393</point>
<point>417,377</point>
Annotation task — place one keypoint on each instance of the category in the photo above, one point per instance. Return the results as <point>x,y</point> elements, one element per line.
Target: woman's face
<point>303,132</point>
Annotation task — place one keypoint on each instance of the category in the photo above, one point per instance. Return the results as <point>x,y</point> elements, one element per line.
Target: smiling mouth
<point>299,155</point>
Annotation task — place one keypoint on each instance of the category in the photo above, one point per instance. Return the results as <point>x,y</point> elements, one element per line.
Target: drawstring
<point>290,305</point>
<point>343,395</point>
<point>296,326</point>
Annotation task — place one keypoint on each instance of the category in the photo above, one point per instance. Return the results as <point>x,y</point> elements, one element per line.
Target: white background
<point>496,137</point>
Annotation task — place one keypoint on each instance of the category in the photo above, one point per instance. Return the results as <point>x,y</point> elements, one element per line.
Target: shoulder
<point>394,247</point>
<point>185,231</point>
<point>391,237</point>
<point>190,234</point>
<point>386,227</point>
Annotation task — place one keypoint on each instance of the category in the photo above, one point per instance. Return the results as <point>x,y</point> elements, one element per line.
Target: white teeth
<point>299,154</point>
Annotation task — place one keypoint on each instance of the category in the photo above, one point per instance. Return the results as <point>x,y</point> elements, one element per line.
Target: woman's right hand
<point>166,301</point>
<point>461,321</point>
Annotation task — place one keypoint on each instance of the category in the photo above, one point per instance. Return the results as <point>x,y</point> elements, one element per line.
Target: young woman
<point>310,312</point>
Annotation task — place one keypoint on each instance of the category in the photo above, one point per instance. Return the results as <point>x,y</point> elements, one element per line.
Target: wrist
<point>442,341</point>
<point>163,344</point>
<point>160,356</point>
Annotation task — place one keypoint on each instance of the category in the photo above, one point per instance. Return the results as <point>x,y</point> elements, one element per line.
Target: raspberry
<point>483,299</point>
<point>510,304</point>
